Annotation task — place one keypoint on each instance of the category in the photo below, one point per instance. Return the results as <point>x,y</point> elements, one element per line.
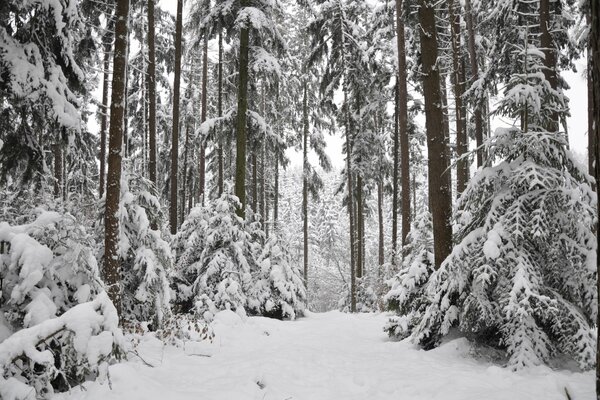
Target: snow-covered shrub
<point>48,266</point>
<point>407,295</point>
<point>146,256</point>
<point>277,288</point>
<point>214,269</point>
<point>60,352</point>
<point>523,274</point>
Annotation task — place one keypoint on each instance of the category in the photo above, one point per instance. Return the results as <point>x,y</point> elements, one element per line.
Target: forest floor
<point>322,356</point>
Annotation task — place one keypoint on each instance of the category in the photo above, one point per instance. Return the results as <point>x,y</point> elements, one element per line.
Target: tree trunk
<point>58,167</point>
<point>380,220</point>
<point>395,181</point>
<point>107,41</point>
<point>175,136</point>
<point>254,182</point>
<point>112,266</point>
<point>202,169</point>
<point>240,144</point>
<point>547,46</point>
<point>151,83</point>
<point>305,178</point>
<point>276,192</point>
<point>475,75</point>
<point>220,180</point>
<point>439,178</point>
<point>359,228</point>
<point>403,123</point>
<point>462,144</point>
<point>350,205</point>
<point>595,75</point>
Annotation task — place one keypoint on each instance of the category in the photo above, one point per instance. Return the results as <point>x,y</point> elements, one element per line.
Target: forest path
<point>326,356</point>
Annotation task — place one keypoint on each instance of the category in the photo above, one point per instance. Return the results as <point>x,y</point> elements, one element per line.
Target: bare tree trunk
<point>403,122</point>
<point>547,45</point>
<point>359,227</point>
<point>395,182</point>
<point>151,82</point>
<point>276,193</point>
<point>305,178</point>
<point>350,205</point>
<point>254,182</point>
<point>462,144</point>
<point>439,178</point>
<point>112,265</point>
<point>220,114</point>
<point>175,134</point>
<point>380,220</point>
<point>595,75</point>
<point>184,191</point>
<point>107,41</point>
<point>240,157</point>
<point>58,167</point>
<point>475,75</point>
<point>202,170</point>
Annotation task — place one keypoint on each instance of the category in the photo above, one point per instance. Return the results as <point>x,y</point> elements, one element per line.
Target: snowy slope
<point>324,356</point>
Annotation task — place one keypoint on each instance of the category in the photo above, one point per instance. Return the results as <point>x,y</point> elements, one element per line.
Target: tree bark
<point>220,180</point>
<point>175,133</point>
<point>202,170</point>
<point>359,227</point>
<point>350,205</point>
<point>240,144</point>
<point>462,144</point>
<point>58,167</point>
<point>395,182</point>
<point>112,265</point>
<point>305,178</point>
<point>595,75</point>
<point>403,122</point>
<point>439,178</point>
<point>380,220</point>
<point>107,41</point>
<point>475,75</point>
<point>151,83</point>
<point>547,45</point>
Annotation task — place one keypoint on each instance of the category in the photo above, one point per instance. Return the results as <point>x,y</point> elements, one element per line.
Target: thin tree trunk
<point>151,83</point>
<point>350,206</point>
<point>107,40</point>
<point>184,191</point>
<point>475,75</point>
<point>305,177</point>
<point>395,182</point>
<point>462,144</point>
<point>202,166</point>
<point>220,139</point>
<point>276,193</point>
<point>359,223</point>
<point>595,75</point>
<point>58,168</point>
<point>175,133</point>
<point>240,156</point>
<point>380,220</point>
<point>403,122</point>
<point>439,178</point>
<point>112,266</point>
<point>254,182</point>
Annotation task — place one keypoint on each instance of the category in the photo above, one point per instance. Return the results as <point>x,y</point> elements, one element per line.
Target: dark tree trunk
<point>58,168</point>
<point>305,178</point>
<point>240,144</point>
<point>547,45</point>
<point>380,220</point>
<point>175,138</point>
<point>396,181</point>
<point>350,206</point>
<point>403,122</point>
<point>276,193</point>
<point>112,265</point>
<point>595,75</point>
<point>254,182</point>
<point>462,146</point>
<point>202,166</point>
<point>220,179</point>
<point>107,45</point>
<point>359,223</point>
<point>151,83</point>
<point>475,75</point>
<point>439,178</point>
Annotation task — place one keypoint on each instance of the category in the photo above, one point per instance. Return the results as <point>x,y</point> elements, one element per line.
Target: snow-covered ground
<point>323,356</point>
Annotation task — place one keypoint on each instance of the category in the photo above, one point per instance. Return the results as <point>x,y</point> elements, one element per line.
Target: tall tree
<point>595,75</point>
<point>151,83</point>
<point>477,114</point>
<point>175,133</point>
<point>107,47</point>
<point>112,265</point>
<point>240,142</point>
<point>440,198</point>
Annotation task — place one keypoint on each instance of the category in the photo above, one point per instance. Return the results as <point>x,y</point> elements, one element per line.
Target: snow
<point>322,356</point>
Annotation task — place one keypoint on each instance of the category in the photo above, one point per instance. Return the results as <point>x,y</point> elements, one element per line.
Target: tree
<point>151,83</point>
<point>112,265</point>
<point>437,147</point>
<point>175,133</point>
<point>240,142</point>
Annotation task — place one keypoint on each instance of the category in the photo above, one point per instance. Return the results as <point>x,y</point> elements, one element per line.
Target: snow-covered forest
<point>292,199</point>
